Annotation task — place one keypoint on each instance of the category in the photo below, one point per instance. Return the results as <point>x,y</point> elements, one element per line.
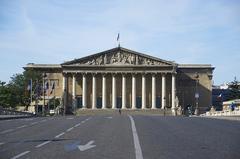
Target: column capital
<point>84,73</point>
<point>114,74</point>
<point>133,73</point>
<point>164,74</point>
<point>74,74</point>
<point>94,74</point>
<point>124,74</point>
<point>154,74</point>
<point>144,73</point>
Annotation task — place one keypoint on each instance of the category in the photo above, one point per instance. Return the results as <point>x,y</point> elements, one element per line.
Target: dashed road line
<point>88,118</point>
<point>21,154</point>
<point>138,150</point>
<point>60,135</point>
<point>42,121</point>
<point>21,126</point>
<point>70,129</point>
<point>2,143</point>
<point>34,123</point>
<point>44,143</point>
<point>6,131</point>
<point>77,125</point>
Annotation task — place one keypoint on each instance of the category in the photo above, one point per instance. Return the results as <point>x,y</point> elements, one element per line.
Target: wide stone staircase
<point>160,112</point>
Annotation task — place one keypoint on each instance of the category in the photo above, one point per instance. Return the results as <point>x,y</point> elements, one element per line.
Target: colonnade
<point>124,91</point>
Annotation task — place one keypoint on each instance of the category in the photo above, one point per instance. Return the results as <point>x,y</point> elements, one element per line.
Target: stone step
<point>167,112</point>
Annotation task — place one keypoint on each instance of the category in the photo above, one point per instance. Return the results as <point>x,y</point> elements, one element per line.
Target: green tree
<point>234,87</point>
<point>15,92</point>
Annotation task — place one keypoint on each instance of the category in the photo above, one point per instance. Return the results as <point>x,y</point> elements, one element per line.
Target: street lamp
<point>44,76</point>
<point>196,93</point>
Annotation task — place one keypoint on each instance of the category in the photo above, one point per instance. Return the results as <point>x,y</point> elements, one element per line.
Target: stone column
<point>153,91</point>
<point>173,92</point>
<point>94,93</point>
<point>84,91</point>
<point>104,92</point>
<point>74,92</point>
<point>163,91</point>
<point>123,91</point>
<point>133,91</point>
<point>143,91</point>
<point>114,101</point>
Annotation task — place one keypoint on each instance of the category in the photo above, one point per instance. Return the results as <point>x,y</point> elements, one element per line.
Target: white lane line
<point>34,123</point>
<point>44,143</point>
<point>70,129</point>
<point>70,118</point>
<point>88,118</point>
<point>21,154</point>
<point>42,121</point>
<point>1,143</point>
<point>138,150</point>
<point>21,126</point>
<point>59,135</point>
<point>77,125</point>
<point>6,131</point>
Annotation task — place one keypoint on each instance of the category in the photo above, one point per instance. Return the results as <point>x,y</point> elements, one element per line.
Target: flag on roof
<point>118,37</point>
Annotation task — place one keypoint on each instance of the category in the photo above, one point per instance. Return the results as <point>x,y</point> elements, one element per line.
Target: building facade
<point>126,79</point>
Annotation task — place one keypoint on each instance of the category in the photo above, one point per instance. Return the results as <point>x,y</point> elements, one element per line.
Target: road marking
<point>59,135</point>
<point>6,131</point>
<point>70,129</point>
<point>138,150</point>
<point>86,146</point>
<point>109,117</point>
<point>44,143</point>
<point>88,118</point>
<point>21,154</point>
<point>83,121</point>
<point>77,125</point>
<point>1,143</point>
<point>42,121</point>
<point>34,123</point>
<point>21,126</point>
<point>70,118</point>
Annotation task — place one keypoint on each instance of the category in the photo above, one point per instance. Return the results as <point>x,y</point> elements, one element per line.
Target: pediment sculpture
<point>119,58</point>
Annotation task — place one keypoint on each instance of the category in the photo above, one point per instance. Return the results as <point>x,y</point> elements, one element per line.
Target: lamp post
<point>196,93</point>
<point>43,108</point>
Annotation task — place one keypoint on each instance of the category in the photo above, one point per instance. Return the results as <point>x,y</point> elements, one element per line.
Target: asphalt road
<point>120,137</point>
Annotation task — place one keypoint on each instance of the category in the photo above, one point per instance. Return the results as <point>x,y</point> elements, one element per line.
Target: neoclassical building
<point>126,79</point>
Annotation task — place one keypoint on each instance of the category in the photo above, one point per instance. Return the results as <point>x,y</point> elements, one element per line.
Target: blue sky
<point>184,31</point>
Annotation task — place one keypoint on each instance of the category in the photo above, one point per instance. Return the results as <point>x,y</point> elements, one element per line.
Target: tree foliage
<point>234,87</point>
<point>15,92</point>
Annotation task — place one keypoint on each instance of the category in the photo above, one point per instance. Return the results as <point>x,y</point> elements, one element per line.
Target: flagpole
<point>54,98</point>
<point>31,93</point>
<point>118,39</point>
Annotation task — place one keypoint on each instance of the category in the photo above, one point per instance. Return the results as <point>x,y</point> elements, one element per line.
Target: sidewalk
<point>234,118</point>
<point>7,117</point>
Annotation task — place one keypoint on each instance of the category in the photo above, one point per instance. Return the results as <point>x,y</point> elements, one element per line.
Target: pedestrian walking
<point>119,111</point>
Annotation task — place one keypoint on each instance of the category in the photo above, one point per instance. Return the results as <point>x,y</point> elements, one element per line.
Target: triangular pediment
<point>119,56</point>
